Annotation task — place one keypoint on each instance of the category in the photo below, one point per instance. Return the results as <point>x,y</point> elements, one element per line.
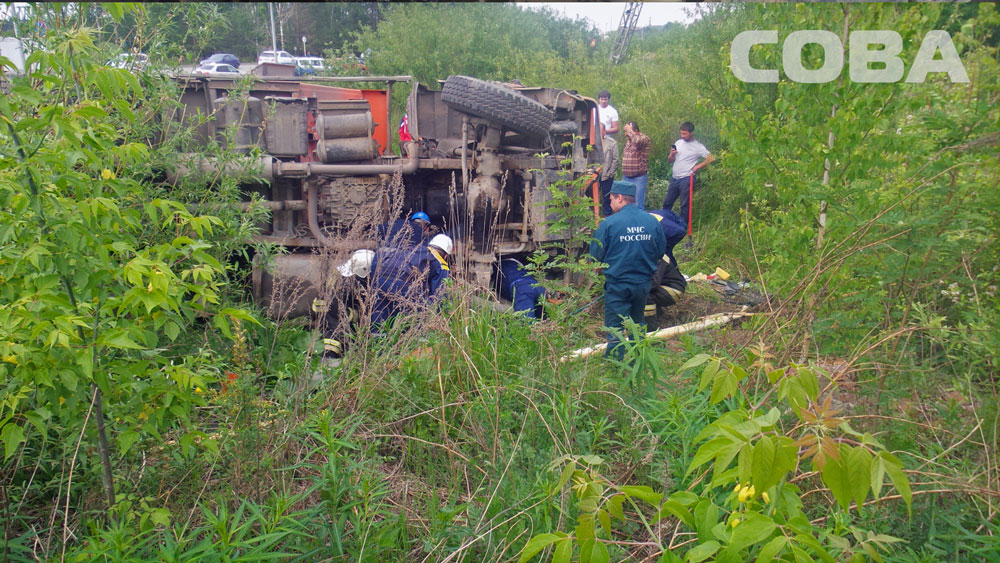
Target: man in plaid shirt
<point>635,161</point>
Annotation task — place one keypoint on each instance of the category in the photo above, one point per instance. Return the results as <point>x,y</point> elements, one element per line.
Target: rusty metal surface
<point>343,200</point>
<point>309,242</point>
<point>292,283</point>
<point>345,125</point>
<point>540,196</point>
<point>285,126</point>
<point>347,150</point>
<point>245,115</point>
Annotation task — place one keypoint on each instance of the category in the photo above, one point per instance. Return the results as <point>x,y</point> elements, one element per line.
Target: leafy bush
<point>100,280</point>
<point>763,516</point>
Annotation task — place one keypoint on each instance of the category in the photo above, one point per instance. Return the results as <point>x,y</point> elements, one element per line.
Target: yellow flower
<point>107,174</point>
<point>746,493</point>
<point>766,498</point>
<point>197,389</point>
<point>735,522</point>
<point>737,488</point>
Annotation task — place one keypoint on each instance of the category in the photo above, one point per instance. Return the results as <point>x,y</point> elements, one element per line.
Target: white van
<point>315,63</point>
<point>282,57</point>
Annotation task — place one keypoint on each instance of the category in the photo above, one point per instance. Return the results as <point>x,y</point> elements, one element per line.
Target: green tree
<point>866,193</point>
<point>98,281</point>
<point>498,42</point>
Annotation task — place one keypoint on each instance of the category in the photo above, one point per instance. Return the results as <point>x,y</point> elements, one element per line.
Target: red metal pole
<point>690,201</point>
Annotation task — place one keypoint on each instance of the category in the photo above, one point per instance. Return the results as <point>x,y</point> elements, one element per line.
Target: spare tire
<point>497,104</point>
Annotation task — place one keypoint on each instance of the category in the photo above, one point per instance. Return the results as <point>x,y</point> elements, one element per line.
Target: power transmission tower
<point>630,17</point>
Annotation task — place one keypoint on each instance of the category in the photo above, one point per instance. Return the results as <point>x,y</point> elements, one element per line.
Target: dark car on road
<point>223,58</point>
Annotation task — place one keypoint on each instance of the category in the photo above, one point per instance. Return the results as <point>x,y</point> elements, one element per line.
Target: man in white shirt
<point>607,114</point>
<point>687,154</point>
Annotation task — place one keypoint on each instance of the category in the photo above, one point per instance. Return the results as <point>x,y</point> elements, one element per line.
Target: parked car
<point>314,63</point>
<point>304,68</point>
<point>216,69</point>
<point>224,58</point>
<point>282,57</point>
<point>129,61</point>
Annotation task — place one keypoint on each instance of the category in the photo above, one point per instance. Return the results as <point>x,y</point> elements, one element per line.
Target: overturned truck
<point>478,157</point>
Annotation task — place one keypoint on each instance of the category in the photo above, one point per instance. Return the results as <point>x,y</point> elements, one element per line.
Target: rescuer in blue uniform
<point>631,242</point>
<point>406,279</point>
<point>517,285</point>
<point>674,229</point>
<point>405,233</point>
<point>668,281</point>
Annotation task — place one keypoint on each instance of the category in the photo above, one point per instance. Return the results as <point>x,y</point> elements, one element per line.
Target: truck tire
<point>497,104</point>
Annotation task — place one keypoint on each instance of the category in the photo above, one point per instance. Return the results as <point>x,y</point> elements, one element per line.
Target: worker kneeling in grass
<point>668,282</point>
<point>406,279</point>
<point>631,243</point>
<point>348,296</point>
<point>521,288</point>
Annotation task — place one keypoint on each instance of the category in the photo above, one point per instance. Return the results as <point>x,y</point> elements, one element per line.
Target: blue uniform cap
<point>420,215</point>
<point>623,188</point>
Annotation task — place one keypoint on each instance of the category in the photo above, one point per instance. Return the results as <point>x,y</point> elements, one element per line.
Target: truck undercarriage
<point>480,162</point>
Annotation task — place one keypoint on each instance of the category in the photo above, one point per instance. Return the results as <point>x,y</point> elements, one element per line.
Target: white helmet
<point>359,265</point>
<point>443,242</point>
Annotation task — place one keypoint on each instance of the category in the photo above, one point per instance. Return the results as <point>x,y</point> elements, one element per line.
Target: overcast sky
<point>607,15</point>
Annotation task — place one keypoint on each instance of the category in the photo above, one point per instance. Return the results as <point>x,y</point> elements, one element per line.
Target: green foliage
<point>899,170</point>
<point>447,434</point>
<point>99,280</point>
<point>497,41</point>
<point>271,530</point>
<point>570,215</point>
<point>762,517</point>
<point>180,33</point>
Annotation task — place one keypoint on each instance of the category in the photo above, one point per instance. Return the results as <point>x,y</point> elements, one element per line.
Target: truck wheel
<point>498,104</point>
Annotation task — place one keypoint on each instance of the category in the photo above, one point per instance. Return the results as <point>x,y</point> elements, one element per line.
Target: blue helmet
<point>421,216</point>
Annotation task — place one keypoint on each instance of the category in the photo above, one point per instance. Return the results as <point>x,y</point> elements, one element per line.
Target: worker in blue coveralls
<point>668,281</point>
<point>631,242</point>
<point>406,279</point>
<point>406,233</point>
<point>518,286</point>
<point>674,229</point>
